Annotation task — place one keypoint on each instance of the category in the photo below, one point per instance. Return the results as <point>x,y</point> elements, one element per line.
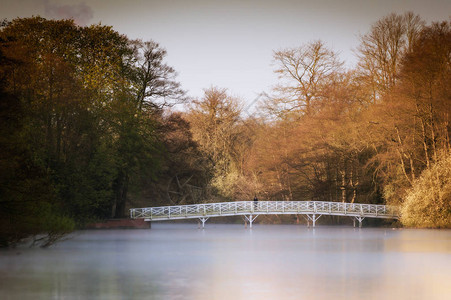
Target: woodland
<point>89,129</point>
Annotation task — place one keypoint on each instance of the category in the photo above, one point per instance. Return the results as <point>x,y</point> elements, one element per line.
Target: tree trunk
<point>343,179</point>
<point>120,188</point>
<point>354,182</point>
<point>423,131</point>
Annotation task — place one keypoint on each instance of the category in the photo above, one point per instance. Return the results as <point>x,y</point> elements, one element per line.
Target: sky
<point>229,43</point>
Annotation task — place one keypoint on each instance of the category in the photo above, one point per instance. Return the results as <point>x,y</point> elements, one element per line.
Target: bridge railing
<point>263,207</point>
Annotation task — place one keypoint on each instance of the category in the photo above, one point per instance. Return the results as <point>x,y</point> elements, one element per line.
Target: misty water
<point>227,261</point>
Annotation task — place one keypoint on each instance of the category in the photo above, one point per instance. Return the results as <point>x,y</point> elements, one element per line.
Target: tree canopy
<point>86,107</point>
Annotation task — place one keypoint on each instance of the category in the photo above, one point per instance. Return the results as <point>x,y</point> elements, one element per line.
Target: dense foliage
<point>82,123</point>
<point>427,203</point>
<point>86,129</point>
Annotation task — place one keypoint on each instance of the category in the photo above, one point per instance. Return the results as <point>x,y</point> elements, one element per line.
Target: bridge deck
<point>250,208</point>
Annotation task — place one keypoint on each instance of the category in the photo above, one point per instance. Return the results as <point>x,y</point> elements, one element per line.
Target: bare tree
<point>155,80</point>
<point>213,122</point>
<point>382,49</point>
<point>303,72</point>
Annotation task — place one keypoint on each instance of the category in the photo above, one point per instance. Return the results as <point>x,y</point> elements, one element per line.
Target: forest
<point>89,127</point>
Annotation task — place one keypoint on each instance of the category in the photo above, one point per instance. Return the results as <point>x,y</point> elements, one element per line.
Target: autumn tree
<point>271,160</point>
<point>381,51</point>
<point>213,121</point>
<point>425,81</point>
<point>303,73</point>
<point>317,108</point>
<point>414,119</point>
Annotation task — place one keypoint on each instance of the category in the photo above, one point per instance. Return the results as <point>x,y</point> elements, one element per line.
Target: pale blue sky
<point>229,43</point>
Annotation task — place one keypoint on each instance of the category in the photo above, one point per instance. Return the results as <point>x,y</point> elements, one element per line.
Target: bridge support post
<point>312,218</point>
<point>203,220</point>
<point>360,219</point>
<point>251,219</point>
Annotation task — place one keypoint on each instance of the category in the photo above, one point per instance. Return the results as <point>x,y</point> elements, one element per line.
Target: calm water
<point>179,261</point>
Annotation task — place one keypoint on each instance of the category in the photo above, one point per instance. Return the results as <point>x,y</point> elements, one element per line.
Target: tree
<point>137,117</point>
<point>271,160</point>
<point>304,73</point>
<point>57,115</point>
<point>137,150</point>
<point>155,80</point>
<point>75,82</point>
<point>382,49</point>
<point>425,78</point>
<point>213,121</point>
<point>409,127</point>
<point>85,98</point>
<point>185,172</point>
<point>28,203</point>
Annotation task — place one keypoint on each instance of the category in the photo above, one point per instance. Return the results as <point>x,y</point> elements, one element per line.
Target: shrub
<point>428,202</point>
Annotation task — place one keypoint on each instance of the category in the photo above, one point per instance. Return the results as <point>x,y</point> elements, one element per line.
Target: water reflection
<point>179,261</point>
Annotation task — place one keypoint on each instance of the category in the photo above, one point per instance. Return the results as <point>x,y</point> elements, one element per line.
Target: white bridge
<point>250,210</point>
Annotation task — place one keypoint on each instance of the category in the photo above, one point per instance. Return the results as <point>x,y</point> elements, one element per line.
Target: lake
<point>227,261</point>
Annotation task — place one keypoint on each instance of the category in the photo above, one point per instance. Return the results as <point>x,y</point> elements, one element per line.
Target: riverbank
<point>120,224</point>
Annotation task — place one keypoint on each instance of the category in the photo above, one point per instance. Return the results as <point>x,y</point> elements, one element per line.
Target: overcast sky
<point>229,43</point>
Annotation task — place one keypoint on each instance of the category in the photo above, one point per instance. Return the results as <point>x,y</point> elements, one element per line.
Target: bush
<point>428,202</point>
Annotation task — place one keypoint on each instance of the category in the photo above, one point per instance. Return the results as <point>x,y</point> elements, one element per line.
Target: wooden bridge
<point>250,210</point>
